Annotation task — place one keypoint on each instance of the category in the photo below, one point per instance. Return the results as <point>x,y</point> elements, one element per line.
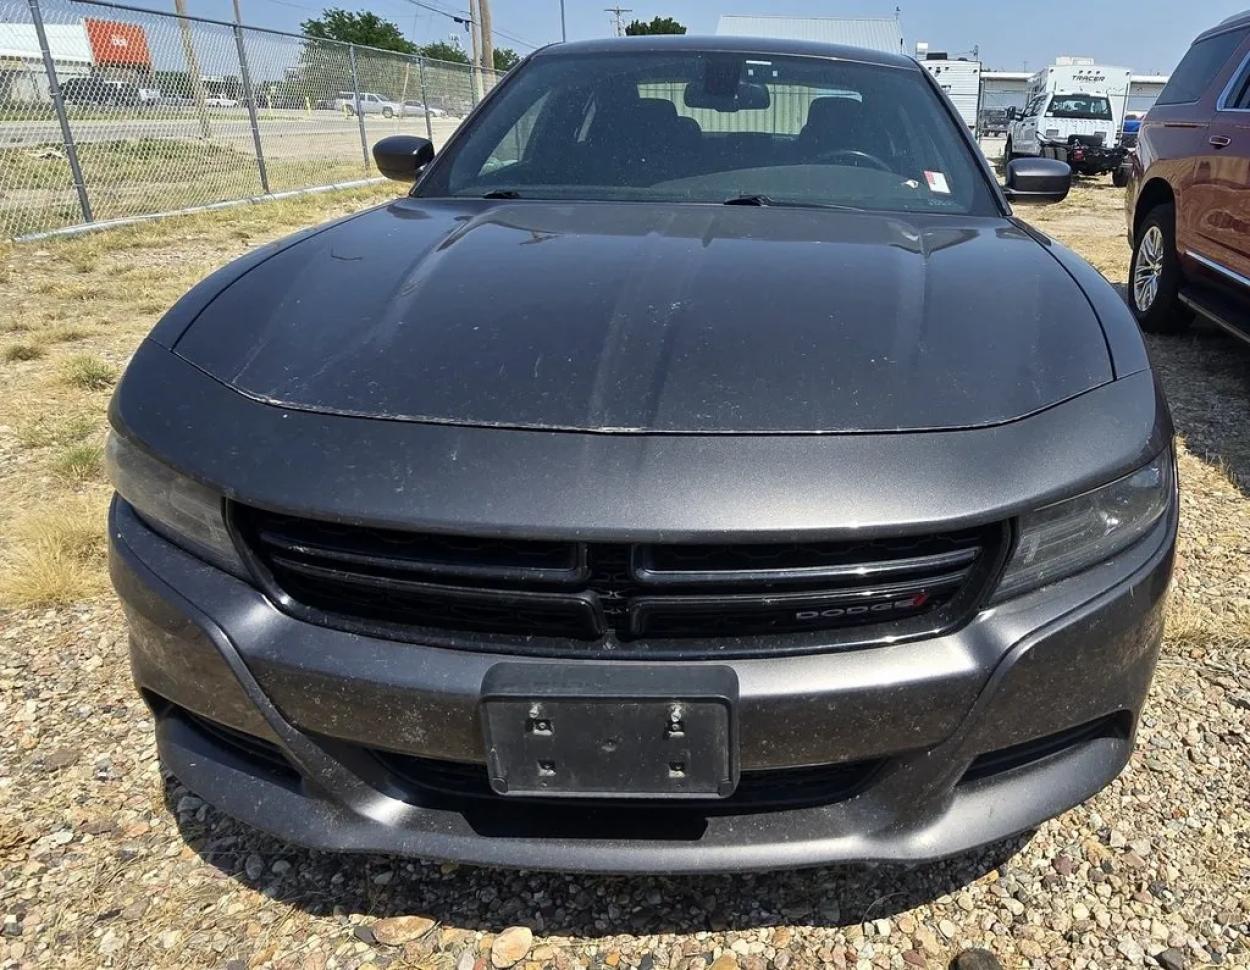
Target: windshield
<point>1079,106</point>
<point>694,126</point>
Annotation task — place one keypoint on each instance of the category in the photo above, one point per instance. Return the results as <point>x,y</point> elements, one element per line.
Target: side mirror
<point>401,157</point>
<point>1038,180</point>
<point>1011,113</point>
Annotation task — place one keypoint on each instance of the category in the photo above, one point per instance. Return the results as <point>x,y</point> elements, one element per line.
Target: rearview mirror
<point>401,157</point>
<point>746,96</point>
<point>1037,180</point>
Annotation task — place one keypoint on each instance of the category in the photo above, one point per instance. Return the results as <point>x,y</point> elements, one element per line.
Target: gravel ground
<point>106,862</point>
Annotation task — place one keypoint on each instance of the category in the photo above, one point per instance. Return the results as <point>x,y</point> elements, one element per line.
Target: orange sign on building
<point>115,44</point>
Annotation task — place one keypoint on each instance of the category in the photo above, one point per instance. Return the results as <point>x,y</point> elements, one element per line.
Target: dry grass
<point>21,352</point>
<point>58,555</point>
<point>76,308</point>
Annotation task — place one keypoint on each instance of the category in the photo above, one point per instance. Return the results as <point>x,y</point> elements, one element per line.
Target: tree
<point>442,51</point>
<point>658,25</point>
<point>366,29</point>
<point>506,59</point>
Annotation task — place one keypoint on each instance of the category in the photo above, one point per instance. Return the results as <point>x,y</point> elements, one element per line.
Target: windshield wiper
<point>502,194</point>
<point>767,200</point>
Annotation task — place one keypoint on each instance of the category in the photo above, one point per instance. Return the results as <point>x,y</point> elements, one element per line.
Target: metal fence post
<point>360,115</point>
<point>58,102</point>
<point>251,108</point>
<point>425,98</point>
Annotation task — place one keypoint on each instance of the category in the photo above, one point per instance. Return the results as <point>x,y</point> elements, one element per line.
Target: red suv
<point>1188,199</point>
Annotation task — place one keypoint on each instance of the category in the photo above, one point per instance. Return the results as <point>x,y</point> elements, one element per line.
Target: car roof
<point>1228,23</point>
<point>744,45</point>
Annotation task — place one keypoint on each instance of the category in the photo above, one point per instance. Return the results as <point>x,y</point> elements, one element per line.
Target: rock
<point>947,929</point>
<point>882,926</point>
<point>468,959</point>
<point>365,935</point>
<point>1171,959</point>
<point>976,959</point>
<point>62,758</point>
<point>280,868</point>
<point>1131,950</point>
<point>915,958</point>
<point>398,930</point>
<point>188,804</point>
<point>254,867</point>
<point>511,945</point>
<point>928,941</point>
<point>726,961</point>
<point>1063,865</point>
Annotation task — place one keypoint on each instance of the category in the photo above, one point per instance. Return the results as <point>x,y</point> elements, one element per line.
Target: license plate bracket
<point>636,731</point>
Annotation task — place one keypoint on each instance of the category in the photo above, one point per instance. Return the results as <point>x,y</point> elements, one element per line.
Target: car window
<point>699,126</point>
<point>1079,106</point>
<point>1239,91</point>
<point>1199,67</point>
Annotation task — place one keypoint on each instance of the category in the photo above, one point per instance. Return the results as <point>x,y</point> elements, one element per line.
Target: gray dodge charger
<point>700,468</point>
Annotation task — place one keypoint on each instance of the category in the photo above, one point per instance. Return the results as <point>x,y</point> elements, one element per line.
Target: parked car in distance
<point>993,121</point>
<point>370,104</point>
<point>413,109</point>
<point>654,488</point>
<point>1188,198</point>
<point>104,91</point>
<point>221,101</point>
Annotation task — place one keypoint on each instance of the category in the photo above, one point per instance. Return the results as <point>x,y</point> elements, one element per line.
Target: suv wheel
<point>1155,274</point>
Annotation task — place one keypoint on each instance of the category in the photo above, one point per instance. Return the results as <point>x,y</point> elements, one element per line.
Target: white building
<point>22,77</point>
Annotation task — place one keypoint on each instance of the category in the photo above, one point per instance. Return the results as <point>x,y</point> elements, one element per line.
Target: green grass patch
<point>88,372</point>
<point>79,463</point>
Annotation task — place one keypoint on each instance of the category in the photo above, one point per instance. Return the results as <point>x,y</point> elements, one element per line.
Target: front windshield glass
<point>1079,106</point>
<point>692,126</point>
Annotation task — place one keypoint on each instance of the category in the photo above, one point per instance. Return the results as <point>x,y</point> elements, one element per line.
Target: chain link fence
<point>110,112</point>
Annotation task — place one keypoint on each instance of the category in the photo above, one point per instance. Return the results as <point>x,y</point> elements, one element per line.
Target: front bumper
<point>323,708</point>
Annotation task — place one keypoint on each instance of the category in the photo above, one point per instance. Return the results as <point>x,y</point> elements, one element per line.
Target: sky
<point>1148,36</point>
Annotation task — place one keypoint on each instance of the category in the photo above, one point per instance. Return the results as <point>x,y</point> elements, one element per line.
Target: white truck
<point>959,77</point>
<point>370,104</point>
<point>1073,111</point>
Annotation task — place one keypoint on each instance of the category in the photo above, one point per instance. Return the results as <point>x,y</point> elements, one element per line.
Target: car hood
<point>637,317</point>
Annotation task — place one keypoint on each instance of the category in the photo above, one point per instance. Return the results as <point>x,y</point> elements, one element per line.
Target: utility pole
<point>238,17</point>
<point>564,34</point>
<point>488,41</point>
<point>193,69</point>
<point>475,67</point>
<point>618,22</point>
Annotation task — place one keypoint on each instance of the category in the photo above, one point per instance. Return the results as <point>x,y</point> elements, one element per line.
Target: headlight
<point>1080,532</point>
<point>183,511</point>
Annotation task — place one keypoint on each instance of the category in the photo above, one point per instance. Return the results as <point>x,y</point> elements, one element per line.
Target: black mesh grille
<point>612,593</point>
<point>424,779</point>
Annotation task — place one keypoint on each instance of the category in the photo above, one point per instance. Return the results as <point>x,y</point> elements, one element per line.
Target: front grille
<point>539,594</point>
<point>427,781</point>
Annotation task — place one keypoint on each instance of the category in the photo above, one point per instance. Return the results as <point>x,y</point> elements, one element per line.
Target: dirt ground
<point>107,862</point>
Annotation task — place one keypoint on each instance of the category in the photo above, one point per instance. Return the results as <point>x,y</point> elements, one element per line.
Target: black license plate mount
<point>632,731</point>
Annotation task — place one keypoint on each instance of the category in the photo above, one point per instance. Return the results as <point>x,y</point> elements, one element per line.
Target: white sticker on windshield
<point>937,182</point>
